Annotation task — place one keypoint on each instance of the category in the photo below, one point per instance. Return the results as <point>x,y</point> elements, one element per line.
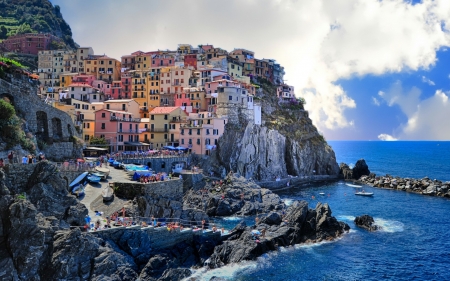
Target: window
<point>198,131</point>
<point>190,141</point>
<point>123,106</point>
<point>182,141</point>
<point>198,141</point>
<point>94,97</point>
<point>182,72</point>
<point>207,131</point>
<point>230,97</point>
<point>152,136</point>
<point>86,137</point>
<point>165,117</point>
<point>152,117</point>
<point>103,115</point>
<point>182,132</point>
<point>103,126</point>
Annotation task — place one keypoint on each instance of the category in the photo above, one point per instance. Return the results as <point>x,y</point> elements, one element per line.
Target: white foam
<point>346,218</point>
<point>228,272</point>
<point>288,202</point>
<point>233,218</point>
<point>388,225</point>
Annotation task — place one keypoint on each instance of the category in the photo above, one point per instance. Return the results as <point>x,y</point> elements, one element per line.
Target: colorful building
<point>159,126</point>
<point>29,43</point>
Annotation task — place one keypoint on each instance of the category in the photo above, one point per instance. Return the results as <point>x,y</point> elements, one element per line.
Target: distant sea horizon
<point>413,159</point>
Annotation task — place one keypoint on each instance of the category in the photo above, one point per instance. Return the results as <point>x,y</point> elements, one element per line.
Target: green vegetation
<point>22,16</point>
<point>98,141</point>
<point>7,111</point>
<point>11,62</point>
<point>21,196</point>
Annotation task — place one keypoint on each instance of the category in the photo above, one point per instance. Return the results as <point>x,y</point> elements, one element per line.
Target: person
<point>10,157</point>
<point>256,220</point>
<point>25,159</point>
<point>214,229</point>
<point>203,224</point>
<point>123,211</point>
<point>263,232</point>
<point>1,163</point>
<point>30,159</point>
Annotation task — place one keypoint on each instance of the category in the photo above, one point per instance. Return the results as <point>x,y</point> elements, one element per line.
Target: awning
<point>92,148</point>
<point>136,143</point>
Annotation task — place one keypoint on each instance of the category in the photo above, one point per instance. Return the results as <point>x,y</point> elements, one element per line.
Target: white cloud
<point>375,101</point>
<point>386,137</point>
<point>318,42</point>
<point>426,118</point>
<point>427,81</point>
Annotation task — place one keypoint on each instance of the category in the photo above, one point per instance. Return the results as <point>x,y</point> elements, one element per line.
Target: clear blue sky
<point>368,69</point>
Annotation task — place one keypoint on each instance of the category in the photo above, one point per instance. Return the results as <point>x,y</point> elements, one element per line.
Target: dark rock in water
<point>215,278</point>
<point>175,274</point>
<point>366,222</point>
<point>360,169</point>
<point>299,225</point>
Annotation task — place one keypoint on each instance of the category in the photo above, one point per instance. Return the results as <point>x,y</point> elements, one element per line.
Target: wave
<point>233,218</point>
<point>346,218</point>
<point>227,272</point>
<point>353,185</point>
<point>288,202</point>
<point>389,226</point>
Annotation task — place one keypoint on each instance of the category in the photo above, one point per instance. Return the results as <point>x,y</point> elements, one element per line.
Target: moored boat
<point>93,179</point>
<point>78,180</point>
<point>103,170</point>
<point>364,193</point>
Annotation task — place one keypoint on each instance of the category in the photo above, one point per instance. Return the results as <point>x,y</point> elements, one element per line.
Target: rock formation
<point>366,222</point>
<point>299,225</point>
<point>360,169</point>
<point>240,196</point>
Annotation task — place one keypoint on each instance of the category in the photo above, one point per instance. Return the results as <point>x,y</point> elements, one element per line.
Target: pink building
<point>201,132</point>
<point>29,43</point>
<point>119,124</point>
<point>163,60</point>
<point>103,87</point>
<point>84,79</point>
<point>116,90</point>
<point>126,85</point>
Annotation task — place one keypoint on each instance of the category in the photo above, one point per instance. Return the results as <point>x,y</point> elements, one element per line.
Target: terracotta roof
<point>80,85</point>
<point>163,110</point>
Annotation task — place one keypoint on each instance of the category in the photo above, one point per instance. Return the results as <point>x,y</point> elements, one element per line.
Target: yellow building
<point>160,124</point>
<point>142,62</point>
<point>66,79</point>
<point>153,87</point>
<point>234,68</point>
<point>138,87</point>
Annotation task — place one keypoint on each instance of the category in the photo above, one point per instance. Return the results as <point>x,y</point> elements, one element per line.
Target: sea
<point>413,243</point>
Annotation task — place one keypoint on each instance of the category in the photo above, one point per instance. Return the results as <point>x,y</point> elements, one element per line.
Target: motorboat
<point>78,180</point>
<point>101,175</point>
<point>322,193</point>
<point>353,185</point>
<point>93,179</point>
<point>364,193</point>
<point>103,170</point>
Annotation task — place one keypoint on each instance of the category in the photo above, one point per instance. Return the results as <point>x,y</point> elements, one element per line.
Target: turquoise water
<point>413,244</point>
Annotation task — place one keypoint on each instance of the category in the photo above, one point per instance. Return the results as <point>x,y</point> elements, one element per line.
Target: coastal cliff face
<point>287,143</point>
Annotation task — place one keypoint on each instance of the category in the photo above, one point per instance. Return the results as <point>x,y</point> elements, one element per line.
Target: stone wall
<point>18,174</point>
<point>44,121</point>
<point>168,189</point>
<point>60,151</point>
<point>192,180</point>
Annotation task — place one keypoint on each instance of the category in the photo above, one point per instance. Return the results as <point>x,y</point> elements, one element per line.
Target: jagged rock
<point>298,226</point>
<point>366,222</point>
<point>360,169</point>
<point>272,219</point>
<point>175,274</point>
<point>345,171</point>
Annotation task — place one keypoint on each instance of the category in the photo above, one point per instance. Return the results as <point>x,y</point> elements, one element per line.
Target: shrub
<point>7,111</point>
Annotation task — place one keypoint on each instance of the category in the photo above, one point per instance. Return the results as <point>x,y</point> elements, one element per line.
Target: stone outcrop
<point>360,169</point>
<point>240,197</point>
<point>425,186</point>
<point>263,154</point>
<point>366,222</point>
<point>299,225</point>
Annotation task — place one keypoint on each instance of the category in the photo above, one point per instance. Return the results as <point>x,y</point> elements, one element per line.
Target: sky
<point>368,69</point>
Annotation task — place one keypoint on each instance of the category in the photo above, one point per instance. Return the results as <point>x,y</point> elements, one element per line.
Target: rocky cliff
<point>287,143</point>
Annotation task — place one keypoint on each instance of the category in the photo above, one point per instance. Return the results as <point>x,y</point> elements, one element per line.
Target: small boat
<point>117,165</point>
<point>364,193</point>
<point>93,179</point>
<point>322,193</point>
<point>79,179</point>
<point>111,161</point>
<point>78,190</point>
<point>101,175</point>
<point>103,170</point>
<point>353,185</point>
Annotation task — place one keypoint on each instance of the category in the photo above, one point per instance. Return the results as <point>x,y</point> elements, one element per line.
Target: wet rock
<point>366,222</point>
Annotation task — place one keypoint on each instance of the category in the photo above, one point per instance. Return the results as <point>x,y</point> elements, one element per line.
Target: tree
<point>24,28</point>
<point>7,111</point>
<point>98,141</point>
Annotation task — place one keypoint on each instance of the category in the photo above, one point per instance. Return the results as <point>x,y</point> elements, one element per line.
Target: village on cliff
<point>150,100</point>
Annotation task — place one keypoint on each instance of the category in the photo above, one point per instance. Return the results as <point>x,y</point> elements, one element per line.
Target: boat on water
<point>353,185</point>
<point>93,179</point>
<point>364,193</point>
<point>103,170</point>
<point>322,193</point>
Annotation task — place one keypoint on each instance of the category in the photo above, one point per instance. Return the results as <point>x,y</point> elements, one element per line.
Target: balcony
<point>144,109</point>
<point>156,130</point>
<point>115,118</point>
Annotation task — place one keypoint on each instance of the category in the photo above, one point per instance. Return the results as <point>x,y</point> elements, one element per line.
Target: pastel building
<point>285,92</point>
<point>51,67</point>
<point>201,132</point>
<point>85,92</point>
<point>29,43</point>
<point>119,123</point>
<point>160,125</point>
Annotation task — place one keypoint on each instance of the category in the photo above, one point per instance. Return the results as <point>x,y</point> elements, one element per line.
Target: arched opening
<point>149,164</point>
<point>41,125</point>
<point>57,128</point>
<point>8,97</point>
<point>69,130</point>
<point>163,165</point>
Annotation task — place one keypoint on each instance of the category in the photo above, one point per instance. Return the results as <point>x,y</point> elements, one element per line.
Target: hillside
<point>24,16</point>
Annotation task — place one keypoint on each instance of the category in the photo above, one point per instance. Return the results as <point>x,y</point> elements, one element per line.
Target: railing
<point>156,130</point>
<point>115,118</point>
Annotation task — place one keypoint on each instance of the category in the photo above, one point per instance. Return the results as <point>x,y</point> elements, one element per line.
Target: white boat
<point>364,193</point>
<point>103,170</point>
<point>322,193</point>
<point>353,185</point>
